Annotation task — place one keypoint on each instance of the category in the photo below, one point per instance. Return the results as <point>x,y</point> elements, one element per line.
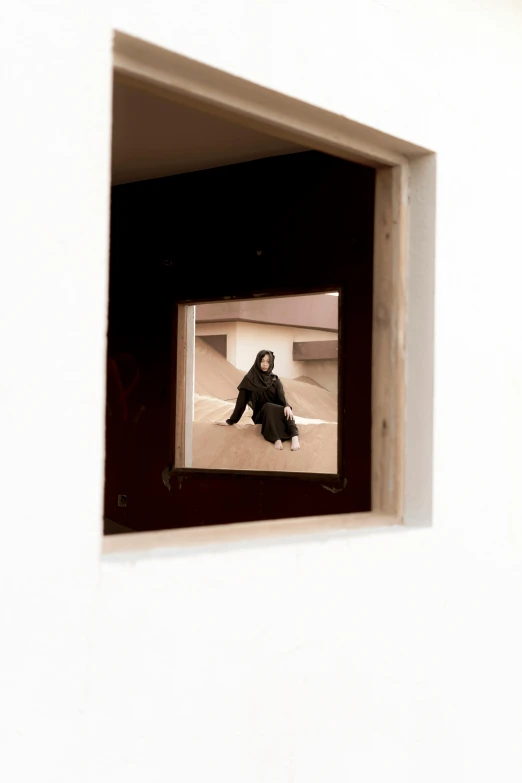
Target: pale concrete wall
<point>384,656</point>
<point>252,338</point>
<point>244,340</point>
<point>316,311</point>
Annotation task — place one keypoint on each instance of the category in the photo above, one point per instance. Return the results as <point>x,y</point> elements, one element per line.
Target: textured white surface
<point>55,86</point>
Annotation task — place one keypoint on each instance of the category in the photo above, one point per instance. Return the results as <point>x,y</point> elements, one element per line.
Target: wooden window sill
<point>244,533</point>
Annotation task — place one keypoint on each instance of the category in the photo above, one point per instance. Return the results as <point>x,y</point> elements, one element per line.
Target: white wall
<point>391,656</point>
<point>252,338</point>
<point>55,87</point>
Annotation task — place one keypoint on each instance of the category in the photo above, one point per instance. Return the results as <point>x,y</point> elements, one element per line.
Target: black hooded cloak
<point>264,393</point>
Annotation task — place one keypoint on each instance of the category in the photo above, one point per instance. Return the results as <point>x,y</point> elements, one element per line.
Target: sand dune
<point>211,409</point>
<point>242,447</point>
<point>312,402</point>
<point>215,377</point>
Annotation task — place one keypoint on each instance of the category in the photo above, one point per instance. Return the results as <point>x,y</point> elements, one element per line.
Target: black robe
<point>268,410</point>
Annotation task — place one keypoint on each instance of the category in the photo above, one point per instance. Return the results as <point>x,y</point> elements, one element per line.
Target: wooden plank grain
<point>389,320</point>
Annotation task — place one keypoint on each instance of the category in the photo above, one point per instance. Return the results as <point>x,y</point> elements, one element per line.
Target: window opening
<point>242,415</point>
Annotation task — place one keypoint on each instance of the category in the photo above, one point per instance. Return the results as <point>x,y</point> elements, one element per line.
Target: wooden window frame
<point>184,363</point>
<point>403,170</point>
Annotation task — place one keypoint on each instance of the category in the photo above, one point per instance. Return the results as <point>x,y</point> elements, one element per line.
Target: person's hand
<point>222,423</point>
<point>288,412</point>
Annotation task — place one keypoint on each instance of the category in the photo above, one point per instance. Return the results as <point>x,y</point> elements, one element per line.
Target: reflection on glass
<point>265,385</point>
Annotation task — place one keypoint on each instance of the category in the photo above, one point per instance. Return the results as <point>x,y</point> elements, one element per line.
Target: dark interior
<point>291,223</point>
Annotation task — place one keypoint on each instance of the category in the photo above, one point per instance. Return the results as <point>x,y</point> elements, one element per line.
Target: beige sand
<point>242,447</point>
<point>306,379</point>
<point>312,402</point>
<point>211,409</point>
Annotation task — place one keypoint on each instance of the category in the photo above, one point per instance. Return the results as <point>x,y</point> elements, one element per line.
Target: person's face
<point>265,363</point>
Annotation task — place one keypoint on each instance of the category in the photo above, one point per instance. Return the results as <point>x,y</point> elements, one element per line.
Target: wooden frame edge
<point>243,532</point>
<point>178,78</point>
<point>183,359</point>
<point>184,347</point>
<point>389,332</point>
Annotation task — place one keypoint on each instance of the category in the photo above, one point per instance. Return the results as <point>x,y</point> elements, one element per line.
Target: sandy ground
<point>242,447</point>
